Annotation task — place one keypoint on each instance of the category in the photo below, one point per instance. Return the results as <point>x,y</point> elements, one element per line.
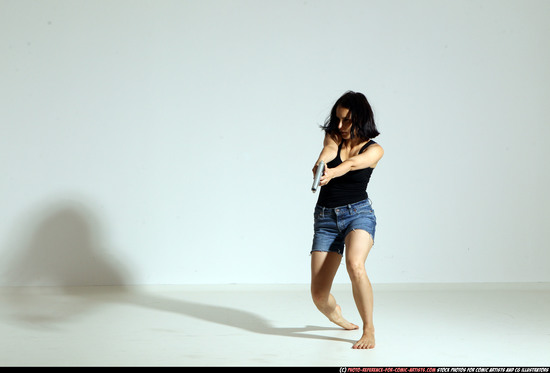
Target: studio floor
<point>273,325</point>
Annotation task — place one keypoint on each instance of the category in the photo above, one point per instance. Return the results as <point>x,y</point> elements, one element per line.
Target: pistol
<point>318,174</point>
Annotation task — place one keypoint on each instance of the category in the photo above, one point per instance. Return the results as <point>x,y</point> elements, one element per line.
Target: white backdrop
<point>171,142</point>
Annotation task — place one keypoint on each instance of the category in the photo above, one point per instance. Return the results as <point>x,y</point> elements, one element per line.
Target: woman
<point>344,216</point>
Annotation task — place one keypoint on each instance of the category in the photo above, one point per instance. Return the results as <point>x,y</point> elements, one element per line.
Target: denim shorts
<point>332,225</point>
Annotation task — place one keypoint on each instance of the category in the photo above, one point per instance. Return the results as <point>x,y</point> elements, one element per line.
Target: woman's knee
<point>356,269</point>
<point>319,294</point>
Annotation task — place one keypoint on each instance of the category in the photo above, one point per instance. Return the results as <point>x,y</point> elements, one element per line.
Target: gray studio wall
<point>171,142</point>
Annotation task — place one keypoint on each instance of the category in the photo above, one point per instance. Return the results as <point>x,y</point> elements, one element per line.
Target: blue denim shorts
<point>332,225</point>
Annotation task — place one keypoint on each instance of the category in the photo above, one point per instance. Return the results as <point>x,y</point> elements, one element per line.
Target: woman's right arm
<point>329,152</point>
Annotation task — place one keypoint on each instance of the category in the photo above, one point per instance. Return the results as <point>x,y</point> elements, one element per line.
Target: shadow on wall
<point>62,246</point>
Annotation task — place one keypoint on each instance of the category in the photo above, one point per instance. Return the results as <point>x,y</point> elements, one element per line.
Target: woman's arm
<point>364,160</point>
<point>329,152</point>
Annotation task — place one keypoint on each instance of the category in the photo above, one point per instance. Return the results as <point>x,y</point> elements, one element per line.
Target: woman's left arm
<point>367,159</point>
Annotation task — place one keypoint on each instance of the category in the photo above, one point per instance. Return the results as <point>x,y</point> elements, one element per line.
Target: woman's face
<point>344,125</point>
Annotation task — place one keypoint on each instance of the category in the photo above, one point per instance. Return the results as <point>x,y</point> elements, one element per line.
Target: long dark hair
<point>362,117</point>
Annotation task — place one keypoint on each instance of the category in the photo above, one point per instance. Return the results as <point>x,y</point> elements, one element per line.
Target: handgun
<point>318,174</point>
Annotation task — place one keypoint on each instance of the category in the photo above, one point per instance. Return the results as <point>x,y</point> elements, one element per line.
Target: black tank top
<point>346,189</point>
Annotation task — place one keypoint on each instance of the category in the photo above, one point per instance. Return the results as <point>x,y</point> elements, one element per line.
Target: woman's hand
<point>328,175</point>
<point>314,169</point>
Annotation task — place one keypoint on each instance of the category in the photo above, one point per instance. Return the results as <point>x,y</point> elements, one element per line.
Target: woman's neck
<point>350,143</point>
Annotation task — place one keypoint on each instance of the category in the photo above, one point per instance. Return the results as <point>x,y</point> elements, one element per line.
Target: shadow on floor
<point>62,246</point>
<point>228,316</point>
<point>49,308</point>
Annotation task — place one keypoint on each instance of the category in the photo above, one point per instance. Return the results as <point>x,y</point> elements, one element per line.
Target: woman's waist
<point>363,203</point>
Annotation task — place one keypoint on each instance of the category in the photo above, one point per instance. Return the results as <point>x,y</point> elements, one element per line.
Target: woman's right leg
<point>324,266</point>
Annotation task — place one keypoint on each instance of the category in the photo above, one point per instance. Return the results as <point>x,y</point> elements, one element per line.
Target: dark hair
<point>362,117</point>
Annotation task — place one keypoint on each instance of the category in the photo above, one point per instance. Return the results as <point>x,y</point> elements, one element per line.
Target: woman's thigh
<point>358,245</point>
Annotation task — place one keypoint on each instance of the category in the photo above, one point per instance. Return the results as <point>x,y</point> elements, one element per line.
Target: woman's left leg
<point>358,245</point>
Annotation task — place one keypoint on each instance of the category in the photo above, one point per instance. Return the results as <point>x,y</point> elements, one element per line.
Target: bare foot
<point>337,318</point>
<point>366,341</point>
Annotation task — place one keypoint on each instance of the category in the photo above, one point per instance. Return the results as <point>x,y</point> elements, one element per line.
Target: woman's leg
<point>358,245</point>
<point>323,269</point>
